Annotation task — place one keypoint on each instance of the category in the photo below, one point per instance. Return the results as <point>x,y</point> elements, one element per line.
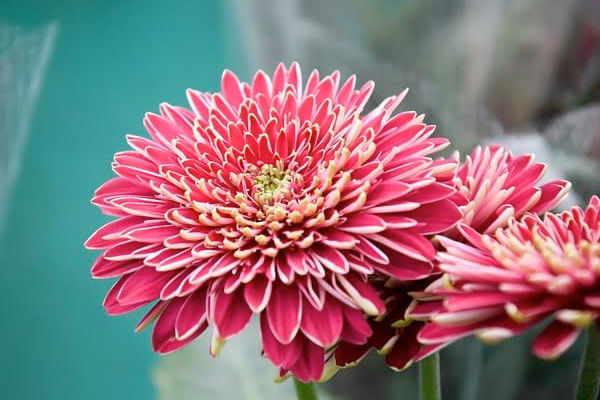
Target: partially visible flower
<point>504,283</point>
<point>492,187</point>
<point>277,198</point>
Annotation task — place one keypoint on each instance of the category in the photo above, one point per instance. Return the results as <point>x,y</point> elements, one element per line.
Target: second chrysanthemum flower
<point>533,269</point>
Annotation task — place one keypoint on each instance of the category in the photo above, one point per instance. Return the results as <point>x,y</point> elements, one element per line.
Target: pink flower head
<point>492,187</point>
<point>277,198</point>
<point>504,283</point>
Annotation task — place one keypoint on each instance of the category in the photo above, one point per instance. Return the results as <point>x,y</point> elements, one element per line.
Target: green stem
<point>589,372</point>
<point>305,391</point>
<point>429,378</point>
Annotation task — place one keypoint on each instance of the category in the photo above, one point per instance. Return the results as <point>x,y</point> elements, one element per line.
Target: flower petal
<point>282,355</point>
<point>555,340</point>
<point>322,327</point>
<point>257,293</point>
<point>310,366</point>
<point>229,313</point>
<point>192,315</point>
<point>284,312</point>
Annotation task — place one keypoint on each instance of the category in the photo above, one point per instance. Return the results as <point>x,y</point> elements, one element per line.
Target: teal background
<point>112,62</point>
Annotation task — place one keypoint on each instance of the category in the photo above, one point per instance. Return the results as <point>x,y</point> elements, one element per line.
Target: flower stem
<point>429,378</point>
<point>589,372</point>
<point>305,391</point>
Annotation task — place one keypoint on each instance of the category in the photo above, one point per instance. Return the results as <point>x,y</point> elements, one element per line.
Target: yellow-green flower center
<point>271,182</point>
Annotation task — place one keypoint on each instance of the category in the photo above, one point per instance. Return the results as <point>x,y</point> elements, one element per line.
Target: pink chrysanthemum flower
<point>492,186</point>
<point>502,284</point>
<point>272,199</point>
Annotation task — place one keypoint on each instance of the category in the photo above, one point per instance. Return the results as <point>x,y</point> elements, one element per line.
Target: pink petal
<point>431,193</point>
<point>552,194</point>
<point>310,366</point>
<point>426,351</point>
<point>371,251</point>
<point>324,326</point>
<point>347,354</point>
<point>113,307</point>
<point>225,264</point>
<point>173,344</point>
<point>176,259</point>
<point>104,268</point>
<point>124,251</point>
<point>282,355</point>
<point>257,293</point>
<point>231,88</point>
<point>555,340</point>
<point>164,329</point>
<point>284,271</point>
<point>387,192</point>
<point>151,315</point>
<point>161,129</point>
<point>363,294</point>
<point>482,273</point>
<point>229,313</point>
<point>437,217</point>
<point>338,239</point>
<point>424,310</point>
<point>174,286</point>
<point>472,236</point>
<point>332,259</point>
<point>105,236</point>
<point>152,234</point>
<point>405,268</point>
<point>406,242</point>
<point>284,312</point>
<point>359,265</point>
<point>297,261</point>
<point>406,347</point>
<point>116,187</point>
<point>435,334</point>
<point>398,221</point>
<point>356,329</point>
<point>143,285</point>
<point>592,300</point>
<point>181,117</point>
<point>363,223</point>
<point>465,301</point>
<point>192,315</point>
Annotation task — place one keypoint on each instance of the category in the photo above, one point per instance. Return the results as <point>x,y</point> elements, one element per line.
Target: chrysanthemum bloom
<point>492,186</point>
<point>272,199</point>
<point>504,283</point>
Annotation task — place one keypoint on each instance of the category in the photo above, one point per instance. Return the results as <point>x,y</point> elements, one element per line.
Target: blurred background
<point>76,76</point>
